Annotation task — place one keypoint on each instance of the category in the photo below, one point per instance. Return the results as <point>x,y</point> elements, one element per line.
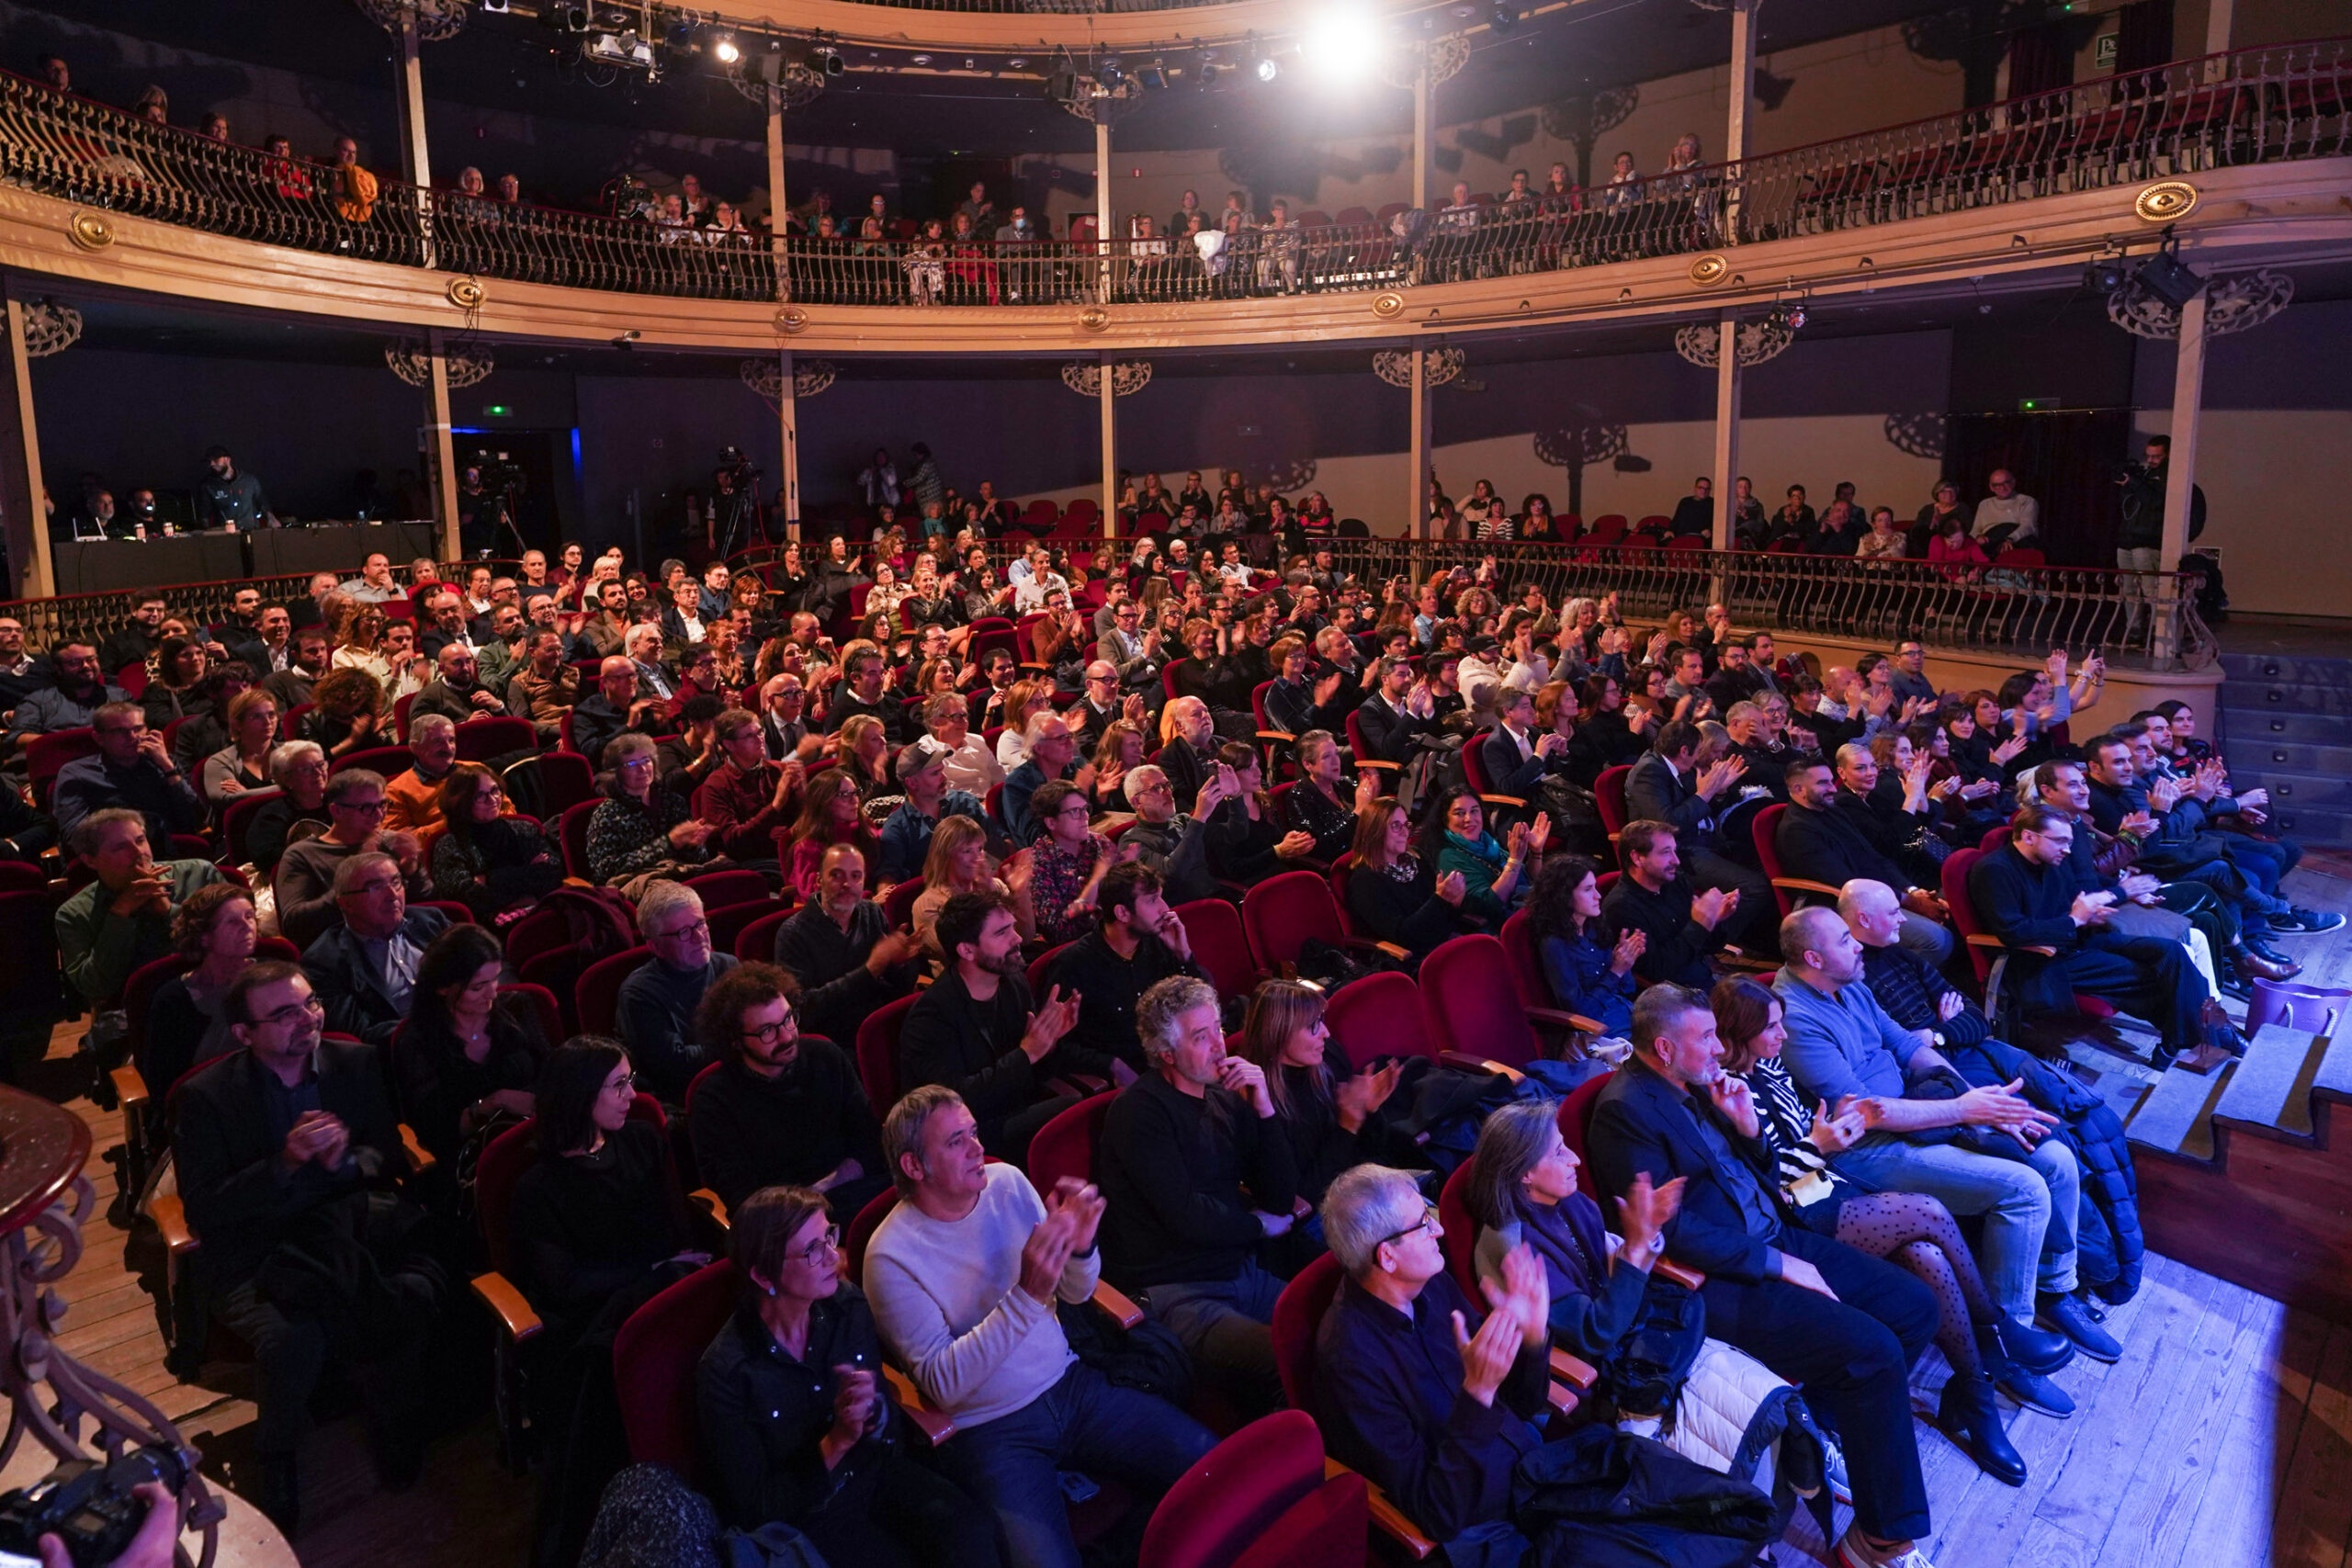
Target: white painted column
<point>21,492</point>
<point>1110,412</point>
<point>1423,91</point>
<point>787,479</point>
<point>443,456</point>
<point>1726,466</point>
<point>1104,233</point>
<point>416,158</point>
<point>777,206</point>
<point>2181,470</point>
<point>1742,91</point>
<point>1417,450</point>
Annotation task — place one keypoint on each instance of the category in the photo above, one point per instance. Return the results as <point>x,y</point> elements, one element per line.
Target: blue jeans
<point>1223,1326</point>
<point>2029,1206</point>
<point>1931,938</point>
<point>1012,1463</point>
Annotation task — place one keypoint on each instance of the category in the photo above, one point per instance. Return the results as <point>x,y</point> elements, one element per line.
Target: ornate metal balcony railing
<point>2250,106</point>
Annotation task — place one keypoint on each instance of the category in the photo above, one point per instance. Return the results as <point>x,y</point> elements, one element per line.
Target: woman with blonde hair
<point>865,755</point>
<point>959,862</point>
<point>1121,749</point>
<point>1021,699</point>
<point>359,637</point>
<point>243,765</point>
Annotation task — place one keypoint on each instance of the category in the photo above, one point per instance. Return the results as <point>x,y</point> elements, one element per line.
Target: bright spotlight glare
<point>727,51</point>
<point>1340,47</point>
<point>1268,70</point>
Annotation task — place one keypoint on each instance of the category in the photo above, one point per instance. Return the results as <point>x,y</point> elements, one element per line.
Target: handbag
<point>1148,1358</point>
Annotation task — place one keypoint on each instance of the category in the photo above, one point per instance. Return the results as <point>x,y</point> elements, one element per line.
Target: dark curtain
<point>2143,36</point>
<point>2042,59</point>
<point>2066,461</point>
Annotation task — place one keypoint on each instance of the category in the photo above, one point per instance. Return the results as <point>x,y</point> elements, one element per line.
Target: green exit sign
<point>497,409</point>
<point>2025,405</point>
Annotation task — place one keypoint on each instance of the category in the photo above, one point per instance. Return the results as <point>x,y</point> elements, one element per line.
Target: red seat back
<point>756,942</point>
<point>46,756</point>
<point>877,1053</point>
<point>237,818</point>
<point>571,832</point>
<point>480,740</point>
<point>1470,1004</point>
<point>654,1355</point>
<point>1609,790</point>
<point>1298,1312</point>
<point>729,921</point>
<point>541,930</point>
<point>1963,913</point>
<point>598,1001</point>
<point>1576,1123</point>
<point>1460,1244</point>
<point>1220,945</point>
<point>1524,951</point>
<point>388,760</point>
<point>1065,1146</point>
<point>1765,829</point>
<point>1259,1498</point>
<point>1281,912</point>
<point>899,906</point>
<point>565,780</point>
<point>861,1230</point>
<point>539,1005</point>
<point>718,889</point>
<point>1379,1015</point>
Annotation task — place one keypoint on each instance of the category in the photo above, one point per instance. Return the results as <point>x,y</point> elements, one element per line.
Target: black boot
<point>2032,1348</point>
<point>280,1496</point>
<point>2032,1391</point>
<point>1971,1417</point>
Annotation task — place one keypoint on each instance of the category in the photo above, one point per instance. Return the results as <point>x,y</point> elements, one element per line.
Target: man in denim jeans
<point>964,1277</point>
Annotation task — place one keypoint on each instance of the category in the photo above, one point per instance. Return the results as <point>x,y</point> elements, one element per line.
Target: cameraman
<point>2139,542</point>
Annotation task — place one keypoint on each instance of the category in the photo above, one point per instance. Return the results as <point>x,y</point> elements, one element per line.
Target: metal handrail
<point>2250,106</point>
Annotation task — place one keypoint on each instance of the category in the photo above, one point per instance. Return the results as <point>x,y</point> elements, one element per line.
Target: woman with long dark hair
<point>831,812</point>
<point>1395,895</point>
<point>1326,1111</point>
<point>494,864</point>
<point>1588,976</point>
<point>1911,1230</point>
<point>172,691</point>
<point>1246,844</point>
<point>1454,839</point>
<point>465,1063</point>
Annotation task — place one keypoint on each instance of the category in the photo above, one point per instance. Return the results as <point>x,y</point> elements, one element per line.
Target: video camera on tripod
<point>503,482</point>
<point>735,505</point>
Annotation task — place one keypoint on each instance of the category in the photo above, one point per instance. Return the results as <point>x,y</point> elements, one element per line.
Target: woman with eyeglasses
<point>464,1064</point>
<point>642,823</point>
<point>797,1422</point>
<point>215,931</point>
<point>598,1227</point>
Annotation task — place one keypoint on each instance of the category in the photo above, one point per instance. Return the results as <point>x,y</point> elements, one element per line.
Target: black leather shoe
<point>2036,1351</point>
<point>1971,1417</point>
<point>2065,1315</point>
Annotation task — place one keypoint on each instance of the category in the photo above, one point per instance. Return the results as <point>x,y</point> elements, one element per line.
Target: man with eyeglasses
<point>304,880</point>
<point>657,1004</point>
<point>784,1109</point>
<point>364,967</point>
<point>2009,515</point>
<point>840,951</point>
<point>964,1276</point>
<point>291,1139</point>
<point>1173,843</point>
<point>459,692</point>
<point>133,770</point>
<point>784,721</point>
<point>614,709</point>
<point>1103,703</point>
<point>746,798</point>
<point>1134,650</point>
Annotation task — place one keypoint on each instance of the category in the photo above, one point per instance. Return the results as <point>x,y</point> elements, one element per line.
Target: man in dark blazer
<point>287,1151</point>
<point>1843,1326</point>
<point>364,967</point>
<point>1667,784</point>
<point>1514,758</point>
<point>1822,838</point>
<point>1398,713</point>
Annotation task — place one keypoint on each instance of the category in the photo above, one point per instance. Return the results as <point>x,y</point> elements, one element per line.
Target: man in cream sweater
<point>964,1277</point>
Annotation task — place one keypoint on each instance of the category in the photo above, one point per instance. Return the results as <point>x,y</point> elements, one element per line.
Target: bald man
<point>612,708</point>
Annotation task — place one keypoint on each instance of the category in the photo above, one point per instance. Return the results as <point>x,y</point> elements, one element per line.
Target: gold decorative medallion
<point>467,293</point>
<point>1094,319</point>
<point>91,231</point>
<point>2166,201</point>
<point>1709,270</point>
<point>1388,303</point>
<point>791,319</point>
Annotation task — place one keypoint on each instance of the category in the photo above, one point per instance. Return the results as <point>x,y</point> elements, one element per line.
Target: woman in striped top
<point>1908,1229</point>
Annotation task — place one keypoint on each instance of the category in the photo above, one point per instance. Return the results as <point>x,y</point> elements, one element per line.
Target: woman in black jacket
<point>1394,894</point>
<point>1246,843</point>
<point>798,1425</point>
<point>1321,805</point>
<point>463,1063</point>
<point>496,865</point>
<point>1330,1117</point>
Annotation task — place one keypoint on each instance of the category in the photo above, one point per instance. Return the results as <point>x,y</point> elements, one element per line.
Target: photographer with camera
<point>2139,542</point>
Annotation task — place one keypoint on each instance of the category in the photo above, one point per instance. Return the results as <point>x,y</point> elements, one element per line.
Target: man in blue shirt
<point>227,498</point>
<point>906,837</point>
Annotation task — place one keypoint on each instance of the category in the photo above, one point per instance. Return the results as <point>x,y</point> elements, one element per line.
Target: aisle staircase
<point>2286,726</point>
<point>2244,1173</point>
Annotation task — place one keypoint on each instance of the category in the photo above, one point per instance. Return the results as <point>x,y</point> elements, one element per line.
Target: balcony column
<point>787,409</point>
<point>1103,230</point>
<point>416,157</point>
<point>1726,465</point>
<point>21,492</point>
<point>442,458</point>
<point>1110,412</point>
<point>1741,90</point>
<point>1422,93</point>
<point>2180,474</point>
<point>787,479</point>
<point>1417,451</point>
<point>2218,20</point>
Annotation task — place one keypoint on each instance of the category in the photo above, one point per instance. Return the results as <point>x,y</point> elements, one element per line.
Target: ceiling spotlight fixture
<point>830,61</point>
<point>921,59</point>
<point>1268,70</point>
<point>1503,18</point>
<point>1152,77</point>
<point>724,51</point>
<point>2105,274</point>
<point>1338,48</point>
<point>2169,278</point>
<point>1110,74</point>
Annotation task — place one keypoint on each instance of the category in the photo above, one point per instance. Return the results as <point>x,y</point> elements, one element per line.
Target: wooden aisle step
<point>2270,1091</point>
<point>2171,1116</point>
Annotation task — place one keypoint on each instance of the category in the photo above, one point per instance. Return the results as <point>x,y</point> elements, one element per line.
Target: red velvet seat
<point>387,760</point>
<point>1065,1145</point>
<point>1469,1004</point>
<point>1281,913</point>
<point>1220,945</point>
<point>1765,830</point>
<point>654,1355</point>
<point>571,833</point>
<point>565,780</point>
<point>756,942</point>
<point>1609,792</point>
<point>718,889</point>
<point>1575,1124</point>
<point>729,921</point>
<point>899,905</point>
<point>480,740</point>
<point>237,819</point>
<point>46,756</point>
<point>1988,954</point>
<point>1377,1016</point>
<point>1260,1500</point>
<point>877,1053</point>
<point>597,1000</point>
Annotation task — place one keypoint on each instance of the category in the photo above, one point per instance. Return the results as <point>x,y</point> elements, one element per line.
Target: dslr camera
<point>737,466</point>
<point>497,470</point>
<point>86,1504</point>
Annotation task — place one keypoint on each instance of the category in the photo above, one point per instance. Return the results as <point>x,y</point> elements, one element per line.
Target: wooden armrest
<point>1688,1279</point>
<point>1033,664</point>
<point>1400,954</point>
<point>171,1221</point>
<point>1799,885</point>
<point>514,1315</point>
<point>1283,735</point>
<point>1386,1517</point>
<point>1376,762</point>
<point>1479,1064</point>
<point>713,1205</point>
<point>1564,1019</point>
<point>129,1088</point>
<point>1125,1312</point>
<point>420,1158</point>
<point>1980,939</point>
<point>933,1424</point>
<point>1504,800</point>
<point>1568,1369</point>
<point>1562,1398</point>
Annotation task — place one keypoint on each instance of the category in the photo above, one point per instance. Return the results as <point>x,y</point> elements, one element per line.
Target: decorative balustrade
<point>2250,106</point>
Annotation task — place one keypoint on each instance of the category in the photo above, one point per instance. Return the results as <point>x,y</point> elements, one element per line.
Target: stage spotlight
<point>1110,74</point>
<point>2105,275</point>
<point>1152,77</point>
<point>724,51</point>
<point>1268,70</point>
<point>1339,48</point>
<point>2169,278</point>
<point>1502,19</point>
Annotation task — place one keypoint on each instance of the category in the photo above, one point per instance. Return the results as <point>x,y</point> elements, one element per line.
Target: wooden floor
<point>2223,1439</point>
